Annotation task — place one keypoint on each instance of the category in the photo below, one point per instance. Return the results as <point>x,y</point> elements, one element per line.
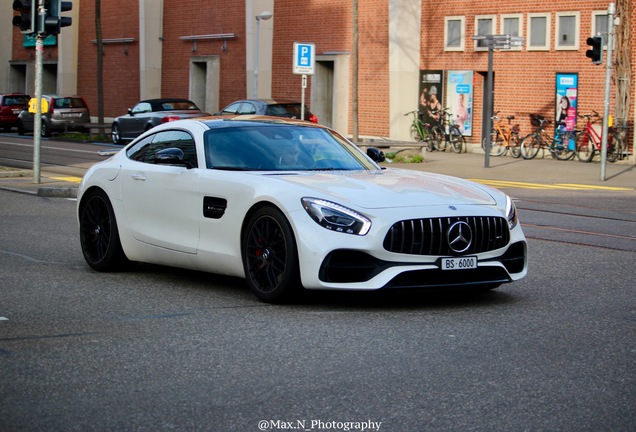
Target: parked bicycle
<point>449,134</point>
<point>424,132</point>
<point>589,142</point>
<point>503,138</point>
<point>561,145</point>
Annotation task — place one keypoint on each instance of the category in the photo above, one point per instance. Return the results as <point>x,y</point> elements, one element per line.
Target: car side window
<point>247,108</point>
<point>146,149</point>
<point>232,109</point>
<point>142,107</point>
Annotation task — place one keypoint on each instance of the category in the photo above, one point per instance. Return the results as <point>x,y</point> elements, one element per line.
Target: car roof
<point>214,122</point>
<point>268,101</point>
<point>161,100</point>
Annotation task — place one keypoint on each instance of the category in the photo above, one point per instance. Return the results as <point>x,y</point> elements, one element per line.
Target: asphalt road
<point>159,349</point>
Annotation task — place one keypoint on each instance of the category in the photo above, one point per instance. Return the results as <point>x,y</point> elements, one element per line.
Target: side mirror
<point>130,111</point>
<point>171,156</point>
<point>375,154</point>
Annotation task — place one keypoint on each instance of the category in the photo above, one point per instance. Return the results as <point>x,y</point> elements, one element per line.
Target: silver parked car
<point>150,113</point>
<point>59,114</point>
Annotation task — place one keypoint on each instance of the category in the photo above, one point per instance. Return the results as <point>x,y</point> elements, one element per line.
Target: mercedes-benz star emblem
<point>459,236</point>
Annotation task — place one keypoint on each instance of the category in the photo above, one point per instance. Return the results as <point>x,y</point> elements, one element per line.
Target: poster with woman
<point>567,88</point>
<point>459,99</point>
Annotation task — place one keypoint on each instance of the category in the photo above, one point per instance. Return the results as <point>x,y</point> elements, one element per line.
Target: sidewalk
<point>468,165</point>
<point>55,185</point>
<point>538,170</point>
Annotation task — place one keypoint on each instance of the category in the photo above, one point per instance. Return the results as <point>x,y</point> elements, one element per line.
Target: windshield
<point>276,147</point>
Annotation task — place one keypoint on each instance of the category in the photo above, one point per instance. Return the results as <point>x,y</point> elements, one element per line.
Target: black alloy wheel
<point>99,236</point>
<point>270,256</point>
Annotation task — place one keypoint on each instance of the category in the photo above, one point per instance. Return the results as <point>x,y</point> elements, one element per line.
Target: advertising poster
<point>459,99</point>
<point>567,88</point>
<point>431,91</point>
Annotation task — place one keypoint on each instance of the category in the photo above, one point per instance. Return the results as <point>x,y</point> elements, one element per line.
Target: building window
<point>454,33</point>
<point>538,32</point>
<point>567,31</point>
<point>513,26</point>
<point>484,25</point>
<point>599,24</point>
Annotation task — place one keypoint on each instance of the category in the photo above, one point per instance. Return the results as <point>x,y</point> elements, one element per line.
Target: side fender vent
<point>213,207</point>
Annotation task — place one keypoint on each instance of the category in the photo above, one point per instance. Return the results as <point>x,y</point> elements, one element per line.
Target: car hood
<point>392,188</point>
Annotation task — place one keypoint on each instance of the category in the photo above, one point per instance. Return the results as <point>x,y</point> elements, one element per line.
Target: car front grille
<point>430,236</point>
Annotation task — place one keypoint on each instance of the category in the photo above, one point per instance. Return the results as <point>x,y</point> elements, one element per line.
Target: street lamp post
<point>262,16</point>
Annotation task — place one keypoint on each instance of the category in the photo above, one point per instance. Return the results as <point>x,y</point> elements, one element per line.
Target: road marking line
<point>68,179</point>
<point>558,186</point>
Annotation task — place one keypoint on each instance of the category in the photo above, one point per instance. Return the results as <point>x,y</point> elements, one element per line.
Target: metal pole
<point>258,27</point>
<point>302,102</point>
<point>611,10</point>
<point>489,101</point>
<point>37,120</point>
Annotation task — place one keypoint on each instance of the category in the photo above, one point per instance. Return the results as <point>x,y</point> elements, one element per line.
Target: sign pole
<point>302,103</point>
<point>304,64</point>
<point>608,84</point>
<point>37,120</point>
<point>489,103</point>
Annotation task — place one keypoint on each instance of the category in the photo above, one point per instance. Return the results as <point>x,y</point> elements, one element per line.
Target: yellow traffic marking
<point>544,186</point>
<point>68,179</point>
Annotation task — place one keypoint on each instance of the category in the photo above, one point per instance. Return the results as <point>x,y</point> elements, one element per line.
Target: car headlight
<point>511,213</point>
<point>335,217</point>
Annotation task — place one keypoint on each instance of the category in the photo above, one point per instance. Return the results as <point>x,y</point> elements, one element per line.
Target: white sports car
<point>289,204</point>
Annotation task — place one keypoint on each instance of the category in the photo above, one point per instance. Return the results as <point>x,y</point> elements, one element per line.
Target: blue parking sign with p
<point>304,58</point>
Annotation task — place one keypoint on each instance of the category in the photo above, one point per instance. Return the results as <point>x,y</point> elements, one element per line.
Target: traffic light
<point>596,53</point>
<point>53,21</point>
<point>28,14</point>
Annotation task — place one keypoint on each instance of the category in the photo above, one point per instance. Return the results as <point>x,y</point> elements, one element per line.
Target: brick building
<point>207,51</point>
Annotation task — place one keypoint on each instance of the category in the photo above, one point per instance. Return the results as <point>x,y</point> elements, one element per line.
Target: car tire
<point>270,256</point>
<point>99,236</point>
<point>45,130</point>
<point>116,134</point>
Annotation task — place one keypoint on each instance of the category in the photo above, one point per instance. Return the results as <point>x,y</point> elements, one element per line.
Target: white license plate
<point>72,115</point>
<point>459,263</point>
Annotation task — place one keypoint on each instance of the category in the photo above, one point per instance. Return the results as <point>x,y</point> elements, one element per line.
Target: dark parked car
<point>11,105</point>
<point>268,107</point>
<point>60,114</point>
<point>150,113</point>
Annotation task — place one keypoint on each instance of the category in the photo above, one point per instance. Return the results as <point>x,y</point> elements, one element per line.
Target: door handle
<point>139,177</point>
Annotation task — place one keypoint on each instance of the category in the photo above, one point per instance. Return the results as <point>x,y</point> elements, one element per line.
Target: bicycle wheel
<point>437,138</point>
<point>515,145</point>
<point>457,140</point>
<point>585,148</point>
<point>530,146</point>
<point>415,134</point>
<point>614,149</point>
<point>429,139</point>
<point>497,144</point>
<point>563,145</point>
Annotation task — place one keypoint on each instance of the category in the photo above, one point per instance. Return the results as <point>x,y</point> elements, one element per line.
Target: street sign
<point>501,45</point>
<point>304,58</point>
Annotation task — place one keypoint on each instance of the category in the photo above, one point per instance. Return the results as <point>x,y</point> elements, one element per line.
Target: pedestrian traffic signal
<point>596,53</point>
<point>28,14</point>
<point>53,21</point>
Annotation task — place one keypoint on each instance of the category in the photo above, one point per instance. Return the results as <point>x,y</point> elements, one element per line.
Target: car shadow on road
<point>202,284</point>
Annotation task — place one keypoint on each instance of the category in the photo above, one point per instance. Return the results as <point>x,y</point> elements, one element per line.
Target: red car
<point>11,105</point>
